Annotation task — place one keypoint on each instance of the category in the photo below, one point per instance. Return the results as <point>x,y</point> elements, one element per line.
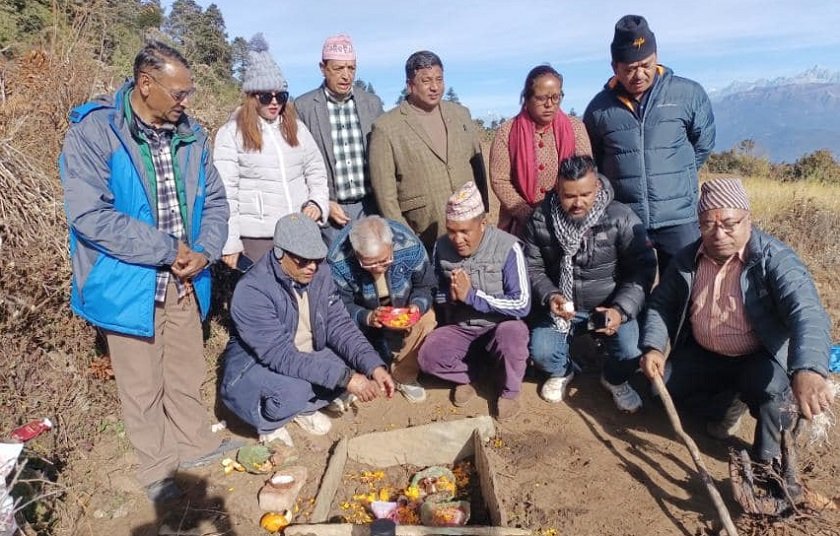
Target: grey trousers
<point>159,384</point>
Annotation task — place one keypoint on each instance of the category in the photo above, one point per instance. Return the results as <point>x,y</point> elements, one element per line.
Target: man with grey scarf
<point>591,266</point>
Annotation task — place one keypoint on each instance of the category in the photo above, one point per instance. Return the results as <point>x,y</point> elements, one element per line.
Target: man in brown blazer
<point>422,151</point>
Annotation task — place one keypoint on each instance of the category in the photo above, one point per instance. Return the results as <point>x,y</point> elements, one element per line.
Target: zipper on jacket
<point>282,162</point>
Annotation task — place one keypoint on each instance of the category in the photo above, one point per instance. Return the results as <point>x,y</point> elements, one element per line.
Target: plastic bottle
<point>31,430</point>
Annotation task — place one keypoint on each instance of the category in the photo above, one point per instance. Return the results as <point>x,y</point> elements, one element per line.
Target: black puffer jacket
<point>615,265</point>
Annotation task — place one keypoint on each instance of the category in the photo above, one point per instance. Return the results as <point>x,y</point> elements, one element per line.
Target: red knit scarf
<point>523,150</point>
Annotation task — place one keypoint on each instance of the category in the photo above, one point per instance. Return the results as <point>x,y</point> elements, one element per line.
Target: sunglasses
<point>265,98</point>
<point>301,262</point>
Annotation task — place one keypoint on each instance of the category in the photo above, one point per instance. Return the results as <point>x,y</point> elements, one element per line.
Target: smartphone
<point>597,320</point>
<point>243,263</point>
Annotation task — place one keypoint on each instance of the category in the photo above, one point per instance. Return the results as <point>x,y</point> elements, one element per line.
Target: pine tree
<point>451,96</point>
<point>239,57</point>
<point>402,97</point>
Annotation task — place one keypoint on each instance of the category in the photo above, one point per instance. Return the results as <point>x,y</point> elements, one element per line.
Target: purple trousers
<point>461,354</point>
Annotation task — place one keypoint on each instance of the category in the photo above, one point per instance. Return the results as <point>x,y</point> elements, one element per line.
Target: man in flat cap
<point>295,348</point>
<point>339,116</point>
<point>483,293</point>
<point>651,131</point>
<point>745,324</point>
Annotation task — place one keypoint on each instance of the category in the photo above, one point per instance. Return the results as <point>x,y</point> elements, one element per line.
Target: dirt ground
<point>578,467</point>
<point>575,468</point>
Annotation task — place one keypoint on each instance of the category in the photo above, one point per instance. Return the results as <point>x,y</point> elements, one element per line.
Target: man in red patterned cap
<point>745,323</point>
<point>339,115</point>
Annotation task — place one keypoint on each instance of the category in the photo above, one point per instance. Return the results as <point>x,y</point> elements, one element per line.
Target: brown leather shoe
<point>463,394</point>
<point>507,408</point>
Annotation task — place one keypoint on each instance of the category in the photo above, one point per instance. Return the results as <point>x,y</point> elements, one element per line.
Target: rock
<point>438,443</point>
<point>281,490</point>
<point>121,511</point>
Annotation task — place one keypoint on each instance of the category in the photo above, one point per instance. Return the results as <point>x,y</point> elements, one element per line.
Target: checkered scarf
<point>348,150</point>
<point>569,234</point>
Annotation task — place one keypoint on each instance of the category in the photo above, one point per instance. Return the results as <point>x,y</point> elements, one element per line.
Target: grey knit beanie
<point>262,73</point>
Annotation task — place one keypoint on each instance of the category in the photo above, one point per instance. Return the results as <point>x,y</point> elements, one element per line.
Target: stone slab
<point>347,529</point>
<point>331,481</point>
<point>438,443</point>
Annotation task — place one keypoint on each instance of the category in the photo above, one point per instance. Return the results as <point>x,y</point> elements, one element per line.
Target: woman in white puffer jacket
<point>268,161</point>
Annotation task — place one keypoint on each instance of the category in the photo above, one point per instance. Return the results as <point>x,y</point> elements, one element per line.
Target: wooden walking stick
<point>723,513</point>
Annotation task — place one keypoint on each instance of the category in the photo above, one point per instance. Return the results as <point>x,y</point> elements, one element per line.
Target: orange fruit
<point>274,522</point>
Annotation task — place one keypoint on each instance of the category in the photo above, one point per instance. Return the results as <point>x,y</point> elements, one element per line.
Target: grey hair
<point>155,55</point>
<point>369,235</point>
<point>422,59</point>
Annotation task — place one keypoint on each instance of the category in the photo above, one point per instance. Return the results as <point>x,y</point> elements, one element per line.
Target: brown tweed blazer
<point>411,181</point>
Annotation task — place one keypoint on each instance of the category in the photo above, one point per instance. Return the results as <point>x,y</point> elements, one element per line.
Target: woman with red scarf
<point>527,150</point>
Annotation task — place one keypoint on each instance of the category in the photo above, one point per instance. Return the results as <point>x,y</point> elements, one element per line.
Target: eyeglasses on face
<point>177,96</point>
<point>378,264</point>
<point>300,262</point>
<point>542,99</point>
<point>727,226</point>
<point>265,97</point>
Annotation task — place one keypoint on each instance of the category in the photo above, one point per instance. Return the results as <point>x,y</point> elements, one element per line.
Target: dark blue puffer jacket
<point>779,296</point>
<point>265,313</point>
<point>652,159</point>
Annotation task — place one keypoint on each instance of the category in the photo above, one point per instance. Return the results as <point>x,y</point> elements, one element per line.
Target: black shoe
<point>224,447</point>
<point>164,490</point>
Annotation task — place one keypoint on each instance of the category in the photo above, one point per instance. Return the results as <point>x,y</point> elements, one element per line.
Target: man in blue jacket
<point>651,131</point>
<point>744,320</point>
<point>147,215</point>
<point>377,265</point>
<point>295,349</point>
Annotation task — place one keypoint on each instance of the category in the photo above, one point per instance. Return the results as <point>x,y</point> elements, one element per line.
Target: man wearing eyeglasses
<point>295,348</point>
<point>651,131</point>
<point>379,265</point>
<point>745,324</point>
<point>340,116</point>
<point>147,216</point>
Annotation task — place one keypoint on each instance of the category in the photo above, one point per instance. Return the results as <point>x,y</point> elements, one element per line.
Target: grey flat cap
<point>300,236</point>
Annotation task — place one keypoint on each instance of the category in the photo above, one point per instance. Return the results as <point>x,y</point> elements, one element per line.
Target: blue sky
<point>487,47</point>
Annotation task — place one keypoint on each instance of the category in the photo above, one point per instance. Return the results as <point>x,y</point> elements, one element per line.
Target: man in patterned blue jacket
<point>379,263</point>
<point>147,215</point>
<point>651,131</point>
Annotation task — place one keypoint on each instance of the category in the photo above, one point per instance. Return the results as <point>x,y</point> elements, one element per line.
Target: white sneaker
<point>315,423</point>
<point>554,389</point>
<point>625,397</point>
<point>281,434</point>
<point>342,404</point>
<point>413,392</point>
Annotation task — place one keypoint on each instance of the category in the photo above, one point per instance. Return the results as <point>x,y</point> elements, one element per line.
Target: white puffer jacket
<point>264,186</point>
